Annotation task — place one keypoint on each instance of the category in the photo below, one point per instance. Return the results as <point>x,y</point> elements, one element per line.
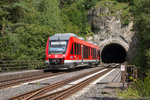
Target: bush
<point>139,89</point>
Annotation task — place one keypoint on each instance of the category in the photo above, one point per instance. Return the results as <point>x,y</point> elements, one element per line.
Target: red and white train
<point>68,51</point>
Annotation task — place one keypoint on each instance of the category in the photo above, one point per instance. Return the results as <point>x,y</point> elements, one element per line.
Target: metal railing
<point>21,65</point>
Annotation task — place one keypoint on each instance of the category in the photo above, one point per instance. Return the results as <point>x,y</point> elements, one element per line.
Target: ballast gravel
<point>24,88</point>
<point>11,92</point>
<point>94,92</point>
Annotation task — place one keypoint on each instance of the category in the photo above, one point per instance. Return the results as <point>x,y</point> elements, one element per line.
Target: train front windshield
<point>57,47</point>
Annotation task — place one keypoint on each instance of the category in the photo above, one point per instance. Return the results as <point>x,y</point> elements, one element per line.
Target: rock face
<point>108,29</point>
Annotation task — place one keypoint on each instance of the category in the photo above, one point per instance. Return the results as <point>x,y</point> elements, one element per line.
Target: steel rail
<point>41,91</point>
<point>59,95</point>
<point>14,82</point>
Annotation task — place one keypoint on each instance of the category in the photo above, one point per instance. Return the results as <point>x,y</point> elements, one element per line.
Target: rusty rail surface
<point>42,91</point>
<point>59,95</point>
<point>14,82</point>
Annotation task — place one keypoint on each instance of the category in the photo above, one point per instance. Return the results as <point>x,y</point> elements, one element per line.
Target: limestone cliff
<point>109,29</point>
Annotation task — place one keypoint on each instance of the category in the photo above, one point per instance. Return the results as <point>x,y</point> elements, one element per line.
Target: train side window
<point>71,49</point>
<point>79,49</point>
<point>94,53</point>
<point>89,51</point>
<point>86,51</point>
<point>83,51</point>
<point>98,53</point>
<point>75,48</point>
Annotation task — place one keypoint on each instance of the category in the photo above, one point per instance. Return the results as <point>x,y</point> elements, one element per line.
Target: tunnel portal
<point>113,53</point>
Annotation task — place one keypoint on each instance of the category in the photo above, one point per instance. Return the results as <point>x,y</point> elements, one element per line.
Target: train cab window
<point>71,49</point>
<point>57,47</point>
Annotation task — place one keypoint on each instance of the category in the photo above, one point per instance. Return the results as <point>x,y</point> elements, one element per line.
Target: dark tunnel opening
<point>113,53</point>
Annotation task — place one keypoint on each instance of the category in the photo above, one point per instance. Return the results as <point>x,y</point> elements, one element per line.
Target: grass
<point>128,93</point>
<point>140,89</point>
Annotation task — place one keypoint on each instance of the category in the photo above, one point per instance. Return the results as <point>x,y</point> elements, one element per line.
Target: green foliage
<point>116,8</point>
<point>130,93</point>
<point>74,16</point>
<point>32,41</point>
<point>139,89</point>
<point>143,87</point>
<point>90,3</point>
<point>142,26</point>
<point>50,14</point>
<point>27,26</point>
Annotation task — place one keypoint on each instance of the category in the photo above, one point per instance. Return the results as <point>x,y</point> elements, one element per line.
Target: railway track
<point>14,82</point>
<point>43,93</point>
<point>59,95</point>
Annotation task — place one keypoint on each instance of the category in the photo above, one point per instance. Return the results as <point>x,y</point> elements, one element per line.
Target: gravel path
<point>94,92</point>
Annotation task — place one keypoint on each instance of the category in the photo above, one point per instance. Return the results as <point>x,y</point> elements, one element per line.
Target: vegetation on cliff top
<point>117,9</point>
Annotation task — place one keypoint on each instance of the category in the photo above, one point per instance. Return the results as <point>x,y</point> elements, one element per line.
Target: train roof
<point>61,36</point>
<point>66,36</point>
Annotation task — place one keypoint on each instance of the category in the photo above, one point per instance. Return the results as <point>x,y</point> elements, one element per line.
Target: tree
<point>141,14</point>
<point>30,24</point>
<point>74,17</point>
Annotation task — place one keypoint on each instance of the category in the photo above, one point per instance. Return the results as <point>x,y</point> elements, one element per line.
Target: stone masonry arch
<point>115,44</point>
<point>117,40</point>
